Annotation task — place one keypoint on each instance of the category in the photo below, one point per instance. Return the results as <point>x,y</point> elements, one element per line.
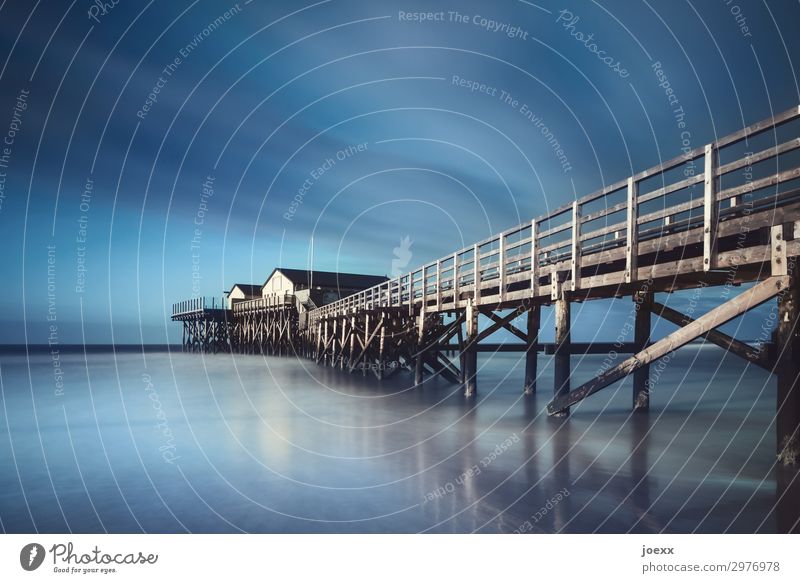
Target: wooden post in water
<point>561,360</point>
<point>643,301</point>
<point>420,359</point>
<point>470,353</point>
<point>787,366</point>
<point>531,360</point>
<point>381,351</point>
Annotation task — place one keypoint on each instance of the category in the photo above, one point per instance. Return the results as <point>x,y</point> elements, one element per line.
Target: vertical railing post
<point>476,277</point>
<point>455,280</point>
<point>501,257</point>
<point>424,289</point>
<point>576,245</point>
<point>438,285</point>
<point>710,208</point>
<point>534,258</point>
<point>632,233</point>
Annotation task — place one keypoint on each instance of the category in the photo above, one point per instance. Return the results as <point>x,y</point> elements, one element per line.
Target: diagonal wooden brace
<point>737,306</point>
<point>366,345</point>
<point>745,351</point>
<point>506,323</point>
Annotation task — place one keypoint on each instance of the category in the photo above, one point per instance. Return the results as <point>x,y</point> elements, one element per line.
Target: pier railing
<point>263,303</point>
<point>599,240</point>
<point>197,306</point>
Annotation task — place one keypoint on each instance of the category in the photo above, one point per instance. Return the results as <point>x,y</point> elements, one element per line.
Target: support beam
<point>737,306</point>
<point>643,301</point>
<point>561,360</point>
<point>787,343</point>
<point>502,322</point>
<point>740,349</point>
<point>531,355</point>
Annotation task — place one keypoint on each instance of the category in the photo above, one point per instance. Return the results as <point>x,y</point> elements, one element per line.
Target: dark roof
<point>329,279</point>
<point>249,289</point>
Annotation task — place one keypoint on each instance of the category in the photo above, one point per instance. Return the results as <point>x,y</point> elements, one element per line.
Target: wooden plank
<point>731,309</point>
<point>555,230</point>
<point>456,275</point>
<point>759,127</point>
<point>671,211</point>
<point>576,246</point>
<point>534,257</point>
<point>476,277</point>
<point>424,289</point>
<point>588,218</point>
<point>770,152</point>
<point>632,233</point>
<point>670,188</point>
<point>587,235</point>
<point>501,269</point>
<point>710,208</point>
<point>438,285</point>
<point>772,180</point>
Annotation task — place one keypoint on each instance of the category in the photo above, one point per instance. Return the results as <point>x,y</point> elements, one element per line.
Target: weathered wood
<point>534,258</point>
<point>420,355</point>
<point>369,337</point>
<point>787,342</point>
<point>778,261</point>
<point>438,285</point>
<point>531,355</point>
<point>469,352</point>
<point>749,299</point>
<point>745,351</point>
<point>576,246</point>
<point>476,274</point>
<point>501,268</point>
<point>632,233</point>
<point>561,360</point>
<point>503,322</point>
<point>456,291</point>
<point>643,301</point>
<point>710,208</point>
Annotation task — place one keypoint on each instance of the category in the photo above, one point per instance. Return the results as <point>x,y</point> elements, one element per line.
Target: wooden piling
<point>470,351</point>
<point>787,366</point>
<point>561,360</point>
<point>531,355</point>
<point>643,301</point>
<point>419,361</point>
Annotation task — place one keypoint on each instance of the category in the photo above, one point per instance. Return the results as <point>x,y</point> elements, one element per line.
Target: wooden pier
<point>719,215</point>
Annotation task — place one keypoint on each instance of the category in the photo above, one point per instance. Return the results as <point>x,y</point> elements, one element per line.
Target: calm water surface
<point>171,442</point>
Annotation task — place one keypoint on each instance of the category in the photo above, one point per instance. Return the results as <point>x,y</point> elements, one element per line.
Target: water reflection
<point>282,445</point>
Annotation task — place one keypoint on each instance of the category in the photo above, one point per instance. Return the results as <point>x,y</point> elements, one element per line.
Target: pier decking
<point>716,215</point>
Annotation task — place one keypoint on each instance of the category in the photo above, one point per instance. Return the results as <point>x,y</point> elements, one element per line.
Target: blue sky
<point>353,100</point>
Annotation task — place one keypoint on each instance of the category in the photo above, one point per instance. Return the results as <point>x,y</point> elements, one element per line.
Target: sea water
<point>162,441</point>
